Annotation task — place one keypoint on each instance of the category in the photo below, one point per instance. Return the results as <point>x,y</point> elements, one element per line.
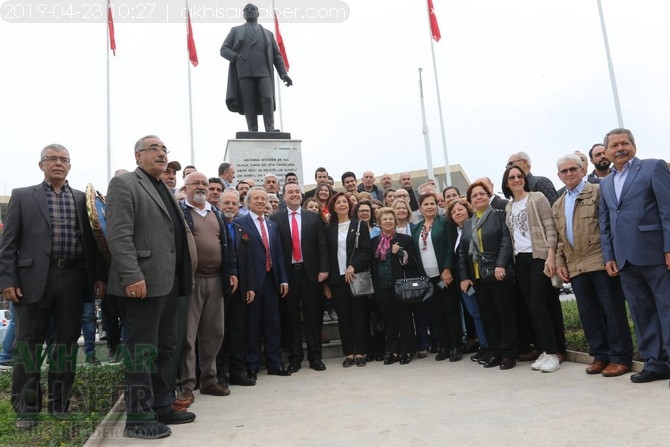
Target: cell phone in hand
<point>470,291</point>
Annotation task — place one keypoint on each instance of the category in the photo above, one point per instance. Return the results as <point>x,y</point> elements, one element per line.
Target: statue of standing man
<point>252,52</point>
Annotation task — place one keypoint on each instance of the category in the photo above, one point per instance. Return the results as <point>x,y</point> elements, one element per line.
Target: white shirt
<point>202,212</point>
<point>342,232</point>
<point>428,257</point>
<point>258,226</point>
<point>519,220</point>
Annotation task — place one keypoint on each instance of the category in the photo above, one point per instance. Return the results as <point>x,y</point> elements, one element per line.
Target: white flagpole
<point>109,125</point>
<point>426,134</point>
<point>447,171</point>
<point>190,98</point>
<point>279,107</point>
<point>610,67</point>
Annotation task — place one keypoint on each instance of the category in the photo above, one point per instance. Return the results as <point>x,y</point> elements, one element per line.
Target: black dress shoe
<point>507,363</point>
<point>176,417</point>
<point>405,359</point>
<point>294,367</point>
<point>379,357</point>
<point>494,360</point>
<point>484,357</point>
<point>475,357</point>
<point>252,375</point>
<point>360,361</point>
<point>279,371</point>
<point>317,366</point>
<point>443,354</point>
<point>422,355</point>
<point>239,379</point>
<point>348,362</point>
<point>456,354</point>
<point>391,359</point>
<point>645,376</point>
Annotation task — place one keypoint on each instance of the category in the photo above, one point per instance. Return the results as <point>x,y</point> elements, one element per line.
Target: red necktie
<point>295,236</point>
<point>266,244</point>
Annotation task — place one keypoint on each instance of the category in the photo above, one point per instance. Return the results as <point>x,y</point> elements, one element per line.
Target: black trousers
<point>398,324</point>
<point>352,318</point>
<point>111,315</point>
<point>498,313</point>
<point>445,310</point>
<point>231,356</point>
<point>60,308</point>
<point>149,354</point>
<point>306,295</point>
<point>537,293</point>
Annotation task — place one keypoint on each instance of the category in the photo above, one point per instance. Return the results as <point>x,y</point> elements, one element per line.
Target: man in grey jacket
<point>152,252</point>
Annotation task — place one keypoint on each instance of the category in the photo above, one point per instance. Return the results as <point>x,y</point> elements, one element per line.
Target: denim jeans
<point>8,341</point>
<point>88,321</point>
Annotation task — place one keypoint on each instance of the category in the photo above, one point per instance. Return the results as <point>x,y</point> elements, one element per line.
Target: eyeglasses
<point>571,170</point>
<point>512,162</point>
<point>54,159</point>
<point>155,148</point>
<point>197,184</point>
<point>515,177</point>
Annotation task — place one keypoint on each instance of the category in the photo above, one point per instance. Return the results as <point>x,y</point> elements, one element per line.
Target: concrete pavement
<point>425,403</point>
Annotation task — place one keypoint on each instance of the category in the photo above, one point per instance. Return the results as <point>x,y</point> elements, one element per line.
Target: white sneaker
<point>326,316</point>
<point>550,364</point>
<point>537,364</point>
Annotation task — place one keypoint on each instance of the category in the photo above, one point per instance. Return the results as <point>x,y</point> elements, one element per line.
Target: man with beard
<point>243,189</point>
<point>169,176</point>
<point>232,352</point>
<point>215,275</point>
<point>600,163</point>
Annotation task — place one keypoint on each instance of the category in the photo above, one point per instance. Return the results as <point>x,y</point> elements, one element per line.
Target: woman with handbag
<point>393,258</point>
<point>459,211</point>
<point>434,242</point>
<point>349,251</point>
<point>485,269</point>
<point>531,225</point>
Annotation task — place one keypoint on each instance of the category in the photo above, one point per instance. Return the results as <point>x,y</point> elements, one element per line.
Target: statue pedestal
<point>255,157</point>
<point>246,135</point>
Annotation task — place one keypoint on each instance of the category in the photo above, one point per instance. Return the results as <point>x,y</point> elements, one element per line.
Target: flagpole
<point>279,106</point>
<point>426,134</point>
<point>610,67</point>
<point>109,125</point>
<point>447,170</point>
<point>190,95</point>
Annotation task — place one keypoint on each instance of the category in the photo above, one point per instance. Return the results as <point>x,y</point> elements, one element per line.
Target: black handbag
<point>361,285</point>
<point>487,266</point>
<point>413,290</point>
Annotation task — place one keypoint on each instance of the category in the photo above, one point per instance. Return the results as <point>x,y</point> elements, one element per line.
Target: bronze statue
<point>252,52</point>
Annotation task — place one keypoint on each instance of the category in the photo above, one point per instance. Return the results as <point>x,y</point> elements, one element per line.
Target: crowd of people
<point>211,280</point>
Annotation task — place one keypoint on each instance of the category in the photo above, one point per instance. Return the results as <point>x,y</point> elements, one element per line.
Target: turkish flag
<point>434,27</point>
<point>110,26</point>
<point>190,43</point>
<point>280,43</point>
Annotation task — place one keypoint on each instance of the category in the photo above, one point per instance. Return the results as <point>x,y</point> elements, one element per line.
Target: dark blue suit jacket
<point>257,250</point>
<point>636,228</point>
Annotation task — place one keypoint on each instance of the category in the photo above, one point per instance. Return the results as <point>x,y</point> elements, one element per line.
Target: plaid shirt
<point>66,242</point>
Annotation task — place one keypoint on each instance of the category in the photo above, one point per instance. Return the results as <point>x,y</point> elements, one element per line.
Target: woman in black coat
<point>393,257</point>
<point>345,261</point>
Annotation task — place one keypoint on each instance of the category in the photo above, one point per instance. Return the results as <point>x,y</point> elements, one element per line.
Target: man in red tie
<point>303,236</point>
<point>271,279</point>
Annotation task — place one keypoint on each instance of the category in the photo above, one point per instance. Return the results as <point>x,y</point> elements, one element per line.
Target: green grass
<point>95,390</point>
<point>574,334</point>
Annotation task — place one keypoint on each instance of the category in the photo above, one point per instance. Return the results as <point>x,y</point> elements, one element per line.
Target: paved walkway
<point>427,403</point>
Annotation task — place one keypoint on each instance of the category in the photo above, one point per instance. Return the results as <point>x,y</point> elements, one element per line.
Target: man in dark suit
<point>306,253</point>
<point>233,350</point>
<point>252,52</point>
<point>49,265</point>
<point>271,279</point>
<point>153,259</point>
<point>635,237</point>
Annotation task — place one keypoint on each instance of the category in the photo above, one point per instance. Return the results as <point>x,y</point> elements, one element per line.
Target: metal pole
<point>426,134</point>
<point>610,67</point>
<point>109,126</point>
<point>447,171</point>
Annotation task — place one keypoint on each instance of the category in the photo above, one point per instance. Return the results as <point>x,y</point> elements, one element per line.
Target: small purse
<point>361,285</point>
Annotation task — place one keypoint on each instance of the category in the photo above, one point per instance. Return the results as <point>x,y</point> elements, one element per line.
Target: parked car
<point>567,289</point>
